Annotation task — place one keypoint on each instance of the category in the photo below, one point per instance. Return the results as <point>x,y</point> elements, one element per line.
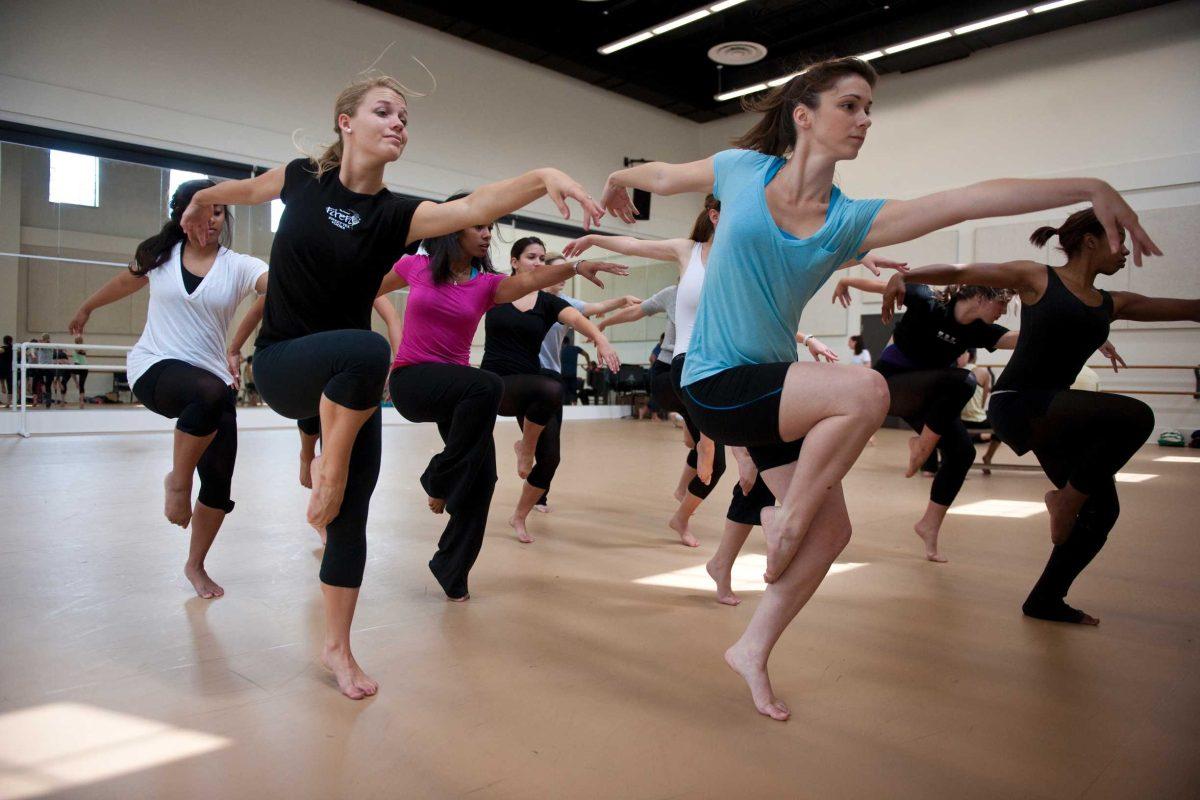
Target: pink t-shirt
<point>440,320</point>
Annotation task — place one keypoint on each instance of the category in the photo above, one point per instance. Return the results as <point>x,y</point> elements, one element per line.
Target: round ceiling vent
<point>737,53</point>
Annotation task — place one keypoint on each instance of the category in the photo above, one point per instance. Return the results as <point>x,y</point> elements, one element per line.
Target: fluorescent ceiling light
<point>869,56</point>
<point>899,48</point>
<point>1054,5</point>
<point>987,23</point>
<point>627,42</point>
<point>669,25</point>
<point>681,21</point>
<point>782,81</point>
<point>758,87</point>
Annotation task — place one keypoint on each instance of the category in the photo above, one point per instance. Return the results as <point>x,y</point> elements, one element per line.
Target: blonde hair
<point>553,257</point>
<point>347,103</point>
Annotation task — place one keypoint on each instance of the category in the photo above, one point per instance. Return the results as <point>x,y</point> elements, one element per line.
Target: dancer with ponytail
<point>515,332</point>
<point>341,232</point>
<point>786,228</point>
<point>450,289</point>
<point>180,367</point>
<point>1081,439</point>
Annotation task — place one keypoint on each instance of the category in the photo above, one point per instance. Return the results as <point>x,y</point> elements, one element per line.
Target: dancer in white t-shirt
<point>180,367</point>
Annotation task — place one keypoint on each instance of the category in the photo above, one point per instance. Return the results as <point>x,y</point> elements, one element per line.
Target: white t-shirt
<point>192,327</point>
<point>550,356</point>
<point>863,358</point>
<point>687,299</point>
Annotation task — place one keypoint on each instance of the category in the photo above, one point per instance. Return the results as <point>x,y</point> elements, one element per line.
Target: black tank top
<point>1058,333</point>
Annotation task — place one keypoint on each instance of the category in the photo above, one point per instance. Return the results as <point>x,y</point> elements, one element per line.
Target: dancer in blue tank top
<point>785,227</point>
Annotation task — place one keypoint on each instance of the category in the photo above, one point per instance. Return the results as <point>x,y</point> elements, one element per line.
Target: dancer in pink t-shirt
<point>450,290</point>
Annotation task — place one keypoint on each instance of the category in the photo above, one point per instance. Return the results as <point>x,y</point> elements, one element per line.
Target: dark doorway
<point>876,336</point>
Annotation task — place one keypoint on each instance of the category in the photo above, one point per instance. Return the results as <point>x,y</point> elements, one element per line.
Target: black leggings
<point>935,398</point>
<point>201,404</point>
<point>558,376</point>
<point>537,398</point>
<point>349,367</point>
<point>747,508</point>
<point>665,383</point>
<point>1080,438</point>
<point>463,401</point>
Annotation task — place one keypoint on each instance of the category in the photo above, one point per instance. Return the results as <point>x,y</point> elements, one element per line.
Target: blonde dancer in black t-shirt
<point>316,356</point>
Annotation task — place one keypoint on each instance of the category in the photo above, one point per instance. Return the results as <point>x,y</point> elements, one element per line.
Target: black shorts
<point>739,407</point>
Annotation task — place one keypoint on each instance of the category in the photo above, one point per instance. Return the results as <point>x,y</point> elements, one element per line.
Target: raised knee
<point>376,355</point>
<point>1142,420</point>
<point>873,397</point>
<point>491,387</point>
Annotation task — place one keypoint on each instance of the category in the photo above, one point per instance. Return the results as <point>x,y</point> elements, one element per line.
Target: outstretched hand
<point>1109,351</point>
<point>1117,217</point>
<point>576,247</point>
<point>818,350</point>
<point>841,294</point>
<point>195,222</point>
<point>877,263</point>
<point>608,356</point>
<point>77,323</point>
<point>616,201</point>
<point>893,298</point>
<point>560,186</point>
<point>588,269</point>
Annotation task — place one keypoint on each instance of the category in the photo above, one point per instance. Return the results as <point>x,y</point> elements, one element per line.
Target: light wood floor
<point>564,677</point>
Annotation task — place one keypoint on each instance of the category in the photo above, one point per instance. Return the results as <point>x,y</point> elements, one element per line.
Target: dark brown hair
<point>155,251</point>
<point>1070,234</point>
<point>703,229</point>
<point>445,250</point>
<point>955,292</point>
<point>524,243</point>
<point>857,344</point>
<point>774,134</point>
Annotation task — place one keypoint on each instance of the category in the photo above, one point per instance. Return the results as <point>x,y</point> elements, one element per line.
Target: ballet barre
<point>22,365</point>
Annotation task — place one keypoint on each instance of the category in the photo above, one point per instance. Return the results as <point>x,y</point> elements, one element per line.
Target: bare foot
<point>929,535</point>
<point>542,507</point>
<point>436,504</point>
<point>781,548</point>
<point>462,599</point>
<point>681,527</point>
<point>1062,516</point>
<point>306,471</point>
<point>706,451</point>
<point>917,454</point>
<point>205,586</point>
<point>353,682</point>
<point>178,503</point>
<point>326,499</point>
<point>524,460</point>
<point>1055,610</point>
<point>754,673</point>
<point>722,575</point>
<point>518,524</point>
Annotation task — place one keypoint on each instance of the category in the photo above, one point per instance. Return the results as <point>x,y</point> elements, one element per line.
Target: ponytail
<point>703,229</point>
<point>774,134</point>
<point>1071,233</point>
<point>155,251</point>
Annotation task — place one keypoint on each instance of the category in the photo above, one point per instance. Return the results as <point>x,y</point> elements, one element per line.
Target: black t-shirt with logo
<point>331,252</point>
<point>514,337</point>
<point>930,337</point>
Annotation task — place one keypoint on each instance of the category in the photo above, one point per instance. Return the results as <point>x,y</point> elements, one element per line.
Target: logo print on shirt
<point>341,218</point>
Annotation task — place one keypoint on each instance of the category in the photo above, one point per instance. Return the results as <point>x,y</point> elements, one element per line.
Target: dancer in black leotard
<point>1081,439</point>
<point>514,334</point>
<point>180,367</point>
<point>341,232</point>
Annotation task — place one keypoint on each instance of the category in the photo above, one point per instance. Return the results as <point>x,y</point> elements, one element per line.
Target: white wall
<point>1118,99</point>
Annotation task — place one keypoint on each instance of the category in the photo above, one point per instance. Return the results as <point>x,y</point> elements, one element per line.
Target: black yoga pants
<point>349,367</point>
<point>201,404</point>
<point>935,398</point>
<point>665,382</point>
<point>1081,438</point>
<point>538,399</point>
<point>463,402</point>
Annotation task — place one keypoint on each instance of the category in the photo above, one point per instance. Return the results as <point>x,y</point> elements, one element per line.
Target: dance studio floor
<point>587,665</point>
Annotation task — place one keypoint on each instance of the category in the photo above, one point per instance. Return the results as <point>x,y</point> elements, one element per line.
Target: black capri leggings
<point>463,401</point>
<point>201,404</point>
<point>1081,438</point>
<point>936,398</point>
<point>537,398</point>
<point>349,367</point>
<point>665,383</point>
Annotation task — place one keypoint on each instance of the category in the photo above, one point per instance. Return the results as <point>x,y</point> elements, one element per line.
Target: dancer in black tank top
<point>1081,439</point>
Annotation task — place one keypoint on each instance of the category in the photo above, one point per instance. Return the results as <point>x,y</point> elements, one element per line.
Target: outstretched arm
<point>492,201</point>
<point>841,291</point>
<point>1028,278</point>
<point>391,317</point>
<point>605,306</point>
<point>121,285</point>
<point>248,192</point>
<point>1137,307</point>
<point>522,283</point>
<point>905,220</point>
<point>678,250</point>
<point>658,177</point>
<point>604,350</point>
<point>630,314</point>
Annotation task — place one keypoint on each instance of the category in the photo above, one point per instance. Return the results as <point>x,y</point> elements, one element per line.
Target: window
<point>180,176</point>
<point>74,179</point>
<point>276,214</point>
